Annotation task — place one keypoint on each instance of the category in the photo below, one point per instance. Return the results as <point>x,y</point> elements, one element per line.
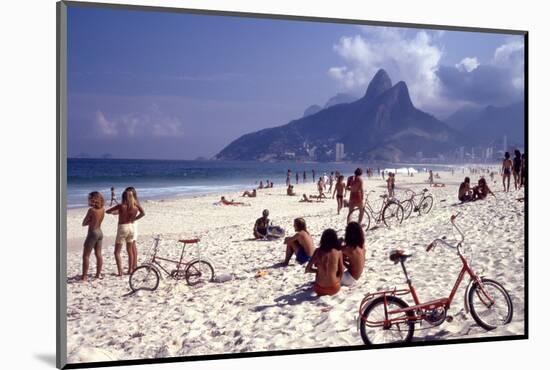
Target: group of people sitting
<point>335,262</point>
<point>478,192</point>
<point>268,184</point>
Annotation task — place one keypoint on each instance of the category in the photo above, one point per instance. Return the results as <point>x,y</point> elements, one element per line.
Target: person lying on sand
<point>328,264</point>
<point>301,244</point>
<point>261,225</point>
<point>230,203</point>
<point>482,190</point>
<point>250,194</point>
<point>94,239</point>
<point>290,190</point>
<point>437,185</point>
<point>306,199</point>
<point>465,194</point>
<point>353,254</point>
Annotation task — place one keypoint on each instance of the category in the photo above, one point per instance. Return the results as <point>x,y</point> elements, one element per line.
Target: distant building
<point>461,154</point>
<point>339,152</point>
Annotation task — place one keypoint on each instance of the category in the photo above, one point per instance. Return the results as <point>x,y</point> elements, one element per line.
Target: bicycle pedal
<point>449,319</point>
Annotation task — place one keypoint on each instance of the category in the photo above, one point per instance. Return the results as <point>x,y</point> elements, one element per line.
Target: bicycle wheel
<point>144,277</point>
<point>490,315</point>
<point>366,217</point>
<point>407,208</point>
<point>372,322</point>
<point>426,205</point>
<point>199,272</point>
<point>392,214</point>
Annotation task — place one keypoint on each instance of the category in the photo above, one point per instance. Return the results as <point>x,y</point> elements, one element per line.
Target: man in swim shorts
<point>301,244</point>
<point>261,225</point>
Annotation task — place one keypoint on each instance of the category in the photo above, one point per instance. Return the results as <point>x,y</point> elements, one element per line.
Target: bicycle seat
<point>189,241</point>
<point>384,196</point>
<point>398,255</point>
<point>424,190</point>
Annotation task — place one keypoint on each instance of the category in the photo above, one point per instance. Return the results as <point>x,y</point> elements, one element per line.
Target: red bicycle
<point>386,318</point>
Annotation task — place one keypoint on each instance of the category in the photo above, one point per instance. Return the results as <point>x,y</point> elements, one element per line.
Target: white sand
<point>280,311</point>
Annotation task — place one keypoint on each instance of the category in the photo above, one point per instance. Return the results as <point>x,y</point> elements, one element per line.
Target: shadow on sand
<point>303,294</point>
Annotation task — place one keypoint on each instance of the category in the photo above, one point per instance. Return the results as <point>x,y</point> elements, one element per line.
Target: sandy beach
<point>280,311</point>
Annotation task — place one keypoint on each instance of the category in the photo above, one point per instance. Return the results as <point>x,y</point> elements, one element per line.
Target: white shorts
<point>135,230</point>
<point>347,279</point>
<point>125,233</point>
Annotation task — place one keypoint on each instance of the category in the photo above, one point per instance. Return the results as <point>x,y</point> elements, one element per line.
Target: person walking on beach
<point>506,171</point>
<point>339,190</point>
<point>297,177</point>
<point>356,193</point>
<point>353,254</point>
<point>300,244</point>
<point>517,169</point>
<point>331,182</point>
<point>313,175</point>
<point>127,212</point>
<point>113,197</point>
<point>93,219</point>
<point>431,178</point>
<point>304,179</point>
<point>321,188</point>
<point>391,184</point>
<point>142,214</point>
<point>328,264</point>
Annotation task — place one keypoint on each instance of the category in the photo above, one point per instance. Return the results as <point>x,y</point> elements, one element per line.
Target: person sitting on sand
<point>300,244</point>
<point>230,203</point>
<point>328,264</point>
<point>305,199</point>
<point>353,253</point>
<point>465,194</point>
<point>482,190</point>
<point>261,225</point>
<point>506,171</point>
<point>340,192</point>
<point>128,212</point>
<point>250,194</point>
<point>94,239</point>
<point>290,190</point>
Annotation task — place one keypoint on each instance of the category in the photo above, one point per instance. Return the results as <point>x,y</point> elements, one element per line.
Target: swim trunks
<point>347,279</point>
<point>301,256</point>
<point>332,290</point>
<point>125,233</point>
<point>93,239</point>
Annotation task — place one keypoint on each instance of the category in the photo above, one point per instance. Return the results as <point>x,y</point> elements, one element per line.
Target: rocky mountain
<point>492,123</point>
<point>340,98</point>
<point>312,110</point>
<point>462,117</point>
<point>382,125</point>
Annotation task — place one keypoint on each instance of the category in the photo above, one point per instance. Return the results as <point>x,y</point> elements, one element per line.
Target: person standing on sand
<point>113,197</point>
<point>431,178</point>
<point>321,188</point>
<point>353,254</point>
<point>313,175</point>
<point>304,177</point>
<point>523,170</point>
<point>301,244</point>
<point>331,182</point>
<point>340,191</point>
<point>356,193</point>
<point>391,184</point>
<point>297,177</point>
<point>517,169</point>
<point>142,214</point>
<point>127,212</point>
<point>94,239</point>
<point>288,174</point>
<point>328,264</point>
<point>506,171</point>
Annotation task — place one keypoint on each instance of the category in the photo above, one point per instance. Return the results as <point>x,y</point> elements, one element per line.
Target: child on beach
<point>113,197</point>
<point>353,254</point>
<point>93,220</point>
<point>327,263</point>
<point>300,244</point>
<point>128,212</point>
<point>340,191</point>
<point>506,171</point>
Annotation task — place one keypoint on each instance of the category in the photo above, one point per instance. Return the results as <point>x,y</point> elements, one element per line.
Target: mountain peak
<point>380,82</point>
<point>401,94</point>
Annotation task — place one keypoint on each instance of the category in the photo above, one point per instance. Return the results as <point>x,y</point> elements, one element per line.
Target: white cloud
<point>467,64</point>
<point>413,59</point>
<point>151,123</point>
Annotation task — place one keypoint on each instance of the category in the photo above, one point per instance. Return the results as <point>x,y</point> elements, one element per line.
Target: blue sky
<point>179,86</point>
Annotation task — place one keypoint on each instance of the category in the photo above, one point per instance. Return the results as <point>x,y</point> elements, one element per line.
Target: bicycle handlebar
<point>441,241</point>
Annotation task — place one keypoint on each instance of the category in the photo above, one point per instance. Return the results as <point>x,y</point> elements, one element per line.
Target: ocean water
<point>157,179</point>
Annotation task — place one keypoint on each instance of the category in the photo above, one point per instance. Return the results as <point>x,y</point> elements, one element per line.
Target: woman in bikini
<point>355,187</point>
<point>506,171</point>
<point>94,239</point>
<point>328,264</point>
<point>340,191</point>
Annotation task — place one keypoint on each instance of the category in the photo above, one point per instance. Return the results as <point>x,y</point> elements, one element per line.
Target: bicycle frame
<point>377,216</point>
